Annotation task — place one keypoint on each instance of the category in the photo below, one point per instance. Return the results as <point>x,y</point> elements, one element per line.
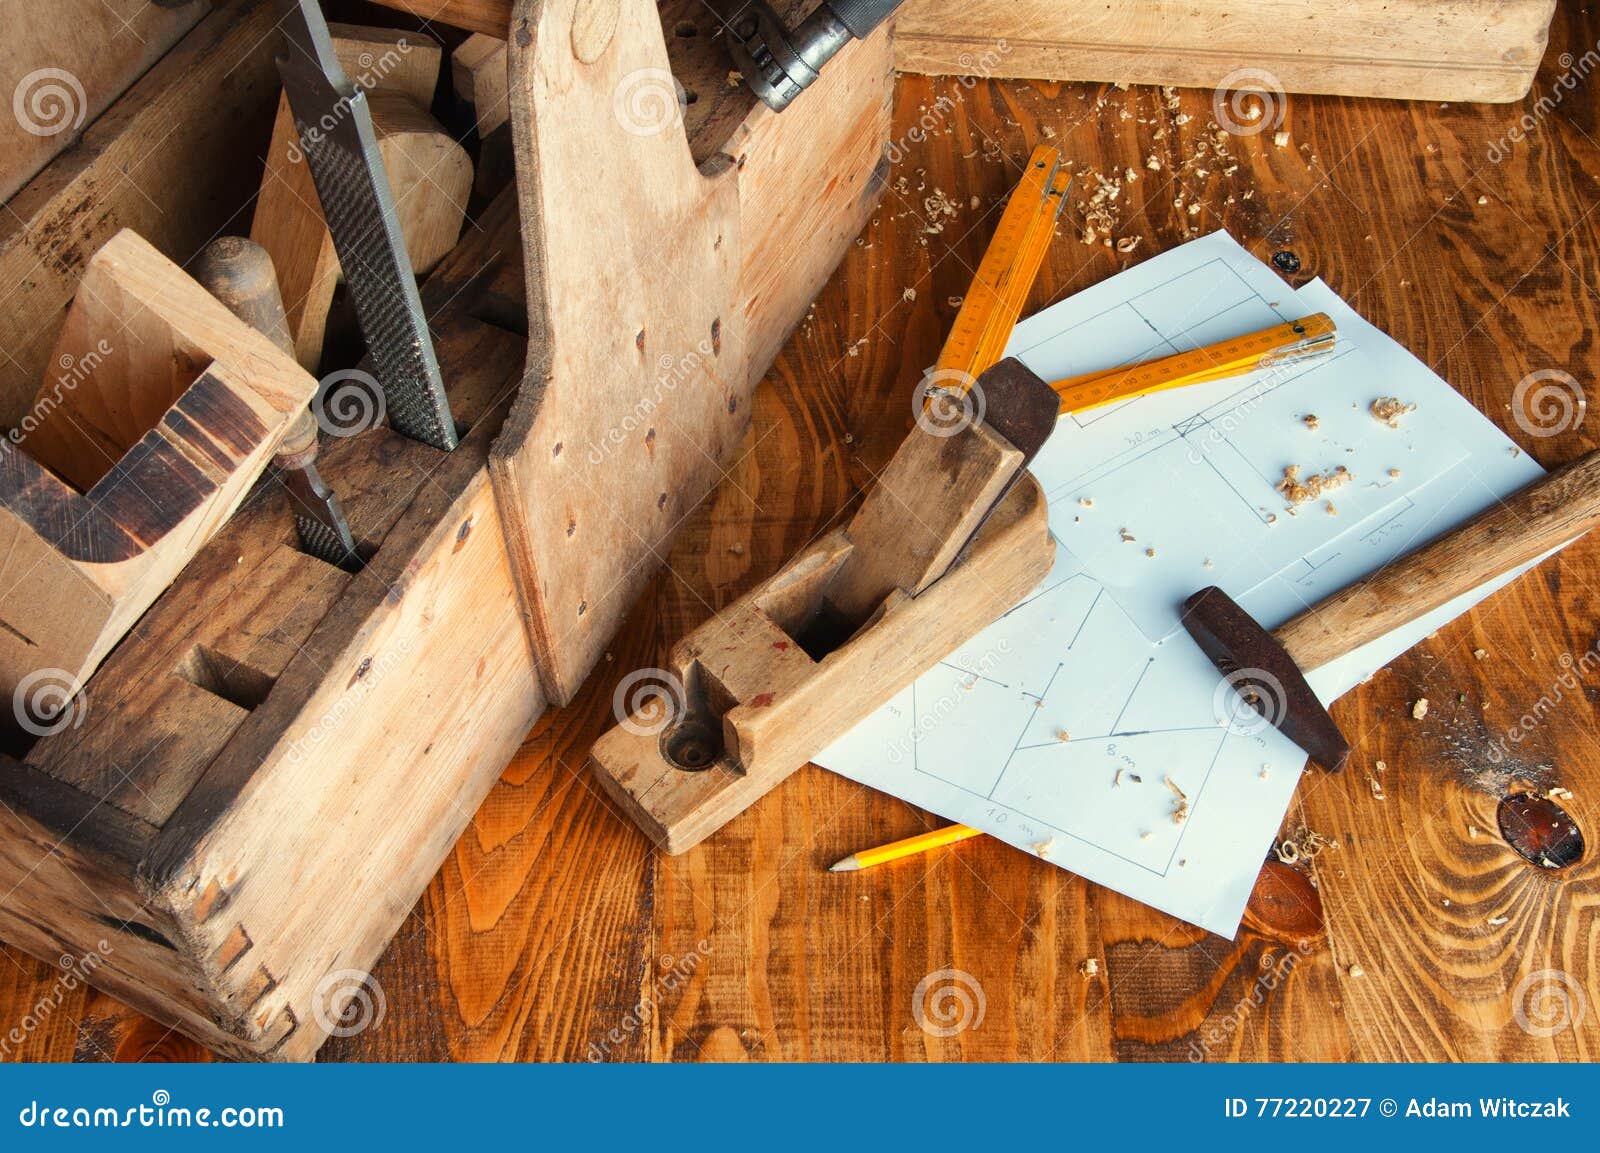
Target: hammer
<point>1268,669</point>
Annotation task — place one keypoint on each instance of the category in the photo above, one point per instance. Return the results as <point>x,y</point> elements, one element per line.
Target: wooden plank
<point>492,17</point>
<point>1459,50</point>
<point>211,96</point>
<point>66,62</point>
<point>478,70</point>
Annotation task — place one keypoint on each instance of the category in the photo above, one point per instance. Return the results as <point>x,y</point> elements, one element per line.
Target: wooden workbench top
<point>555,932</point>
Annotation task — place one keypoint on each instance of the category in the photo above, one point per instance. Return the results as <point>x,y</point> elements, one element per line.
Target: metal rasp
<point>334,123</point>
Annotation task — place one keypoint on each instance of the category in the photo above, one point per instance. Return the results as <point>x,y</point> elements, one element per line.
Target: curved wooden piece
<point>637,386</point>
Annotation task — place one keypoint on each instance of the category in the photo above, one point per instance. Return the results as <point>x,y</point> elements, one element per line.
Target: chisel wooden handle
<point>1547,513</point>
<point>239,273</point>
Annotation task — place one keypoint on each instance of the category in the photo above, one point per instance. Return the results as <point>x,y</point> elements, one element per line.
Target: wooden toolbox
<point>253,790</point>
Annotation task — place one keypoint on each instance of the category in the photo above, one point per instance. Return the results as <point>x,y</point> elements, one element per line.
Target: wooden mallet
<point>1268,668</point>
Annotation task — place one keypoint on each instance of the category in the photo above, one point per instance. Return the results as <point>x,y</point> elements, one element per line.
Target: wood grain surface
<point>555,931</point>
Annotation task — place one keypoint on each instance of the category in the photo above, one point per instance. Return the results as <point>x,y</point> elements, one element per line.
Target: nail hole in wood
<point>716,337</point>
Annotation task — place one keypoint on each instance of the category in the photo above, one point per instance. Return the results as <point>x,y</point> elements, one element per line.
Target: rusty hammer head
<point>1262,672</point>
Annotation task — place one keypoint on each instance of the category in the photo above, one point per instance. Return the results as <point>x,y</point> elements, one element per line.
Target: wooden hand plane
<point>952,534</point>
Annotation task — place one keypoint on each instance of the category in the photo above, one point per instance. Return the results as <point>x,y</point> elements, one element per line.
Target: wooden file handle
<point>1547,513</point>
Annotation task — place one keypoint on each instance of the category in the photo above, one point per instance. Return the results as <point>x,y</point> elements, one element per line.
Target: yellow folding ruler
<point>1006,274</point>
<point>1291,343</point>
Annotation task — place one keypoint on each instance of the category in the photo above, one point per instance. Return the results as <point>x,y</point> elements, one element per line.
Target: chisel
<point>239,273</point>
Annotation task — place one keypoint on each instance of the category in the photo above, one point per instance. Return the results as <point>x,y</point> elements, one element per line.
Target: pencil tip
<point>848,865</point>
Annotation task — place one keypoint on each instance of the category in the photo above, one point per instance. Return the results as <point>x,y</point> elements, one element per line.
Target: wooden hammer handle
<point>1547,513</point>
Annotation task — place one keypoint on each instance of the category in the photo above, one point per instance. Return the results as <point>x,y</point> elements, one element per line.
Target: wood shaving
<point>1497,921</point>
<point>1090,968</point>
<point>1042,848</point>
<point>1394,472</point>
<point>1150,552</point>
<point>1333,509</point>
<point>1420,709</point>
<point>1297,491</point>
<point>1128,243</point>
<point>1310,420</point>
<point>1377,789</point>
<point>1389,410</point>
<point>1086,501</point>
<point>1063,735</point>
<point>1126,535</point>
<point>909,294</point>
<point>1479,654</point>
<point>1382,766</point>
<point>1280,139</point>
<point>1303,845</point>
<point>1356,971</point>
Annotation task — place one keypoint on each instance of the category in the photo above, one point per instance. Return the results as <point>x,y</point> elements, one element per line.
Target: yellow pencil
<point>911,846</point>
